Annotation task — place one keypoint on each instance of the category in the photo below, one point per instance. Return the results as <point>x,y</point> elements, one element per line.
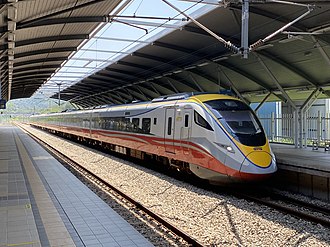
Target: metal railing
<point>313,128</point>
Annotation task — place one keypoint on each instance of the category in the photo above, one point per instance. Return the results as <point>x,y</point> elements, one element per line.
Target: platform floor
<point>43,204</point>
<point>304,159</point>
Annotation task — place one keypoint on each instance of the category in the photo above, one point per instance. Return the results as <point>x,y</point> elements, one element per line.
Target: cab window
<point>199,120</point>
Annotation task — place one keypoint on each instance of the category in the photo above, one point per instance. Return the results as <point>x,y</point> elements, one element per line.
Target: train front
<point>249,156</point>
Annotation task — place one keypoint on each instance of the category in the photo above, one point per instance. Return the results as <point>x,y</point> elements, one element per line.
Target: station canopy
<point>287,56</point>
<point>37,36</point>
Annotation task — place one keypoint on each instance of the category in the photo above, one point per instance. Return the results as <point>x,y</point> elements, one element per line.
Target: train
<point>216,137</point>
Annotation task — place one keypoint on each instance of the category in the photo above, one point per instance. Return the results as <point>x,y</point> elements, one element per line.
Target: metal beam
<point>134,65</point>
<point>227,44</point>
<point>147,91</point>
<point>194,80</point>
<point>50,39</point>
<point>245,74</point>
<point>65,20</point>
<point>129,97</point>
<point>321,50</point>
<point>202,74</point>
<point>171,84</point>
<point>260,42</point>
<point>154,88</point>
<point>154,58</point>
<point>97,78</point>
<point>120,71</point>
<point>197,30</point>
<point>183,81</point>
<point>109,76</point>
<point>60,12</point>
<point>289,66</point>
<point>116,101</point>
<point>138,93</point>
<point>117,97</point>
<point>179,48</point>
<point>263,101</point>
<point>40,67</point>
<point>42,60</point>
<point>275,81</point>
<point>234,87</point>
<point>31,76</point>
<point>45,51</point>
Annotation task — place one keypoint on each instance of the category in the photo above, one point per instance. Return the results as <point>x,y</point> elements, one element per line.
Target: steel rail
<point>271,201</point>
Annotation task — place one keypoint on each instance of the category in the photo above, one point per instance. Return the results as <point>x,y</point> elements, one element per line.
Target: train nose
<point>260,159</point>
<point>258,163</point>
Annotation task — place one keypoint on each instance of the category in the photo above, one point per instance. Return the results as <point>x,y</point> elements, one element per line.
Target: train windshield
<point>239,120</point>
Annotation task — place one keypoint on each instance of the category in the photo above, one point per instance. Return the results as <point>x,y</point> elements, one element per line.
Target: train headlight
<point>227,147</point>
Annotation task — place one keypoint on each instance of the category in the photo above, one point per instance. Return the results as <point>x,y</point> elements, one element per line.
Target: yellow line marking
<point>24,243</point>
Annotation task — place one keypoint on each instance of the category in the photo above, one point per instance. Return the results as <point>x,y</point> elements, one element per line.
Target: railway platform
<point>315,162</point>
<point>305,170</point>
<point>43,204</point>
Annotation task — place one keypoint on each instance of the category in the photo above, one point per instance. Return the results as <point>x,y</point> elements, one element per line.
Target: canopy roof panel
<point>189,59</point>
<point>37,36</point>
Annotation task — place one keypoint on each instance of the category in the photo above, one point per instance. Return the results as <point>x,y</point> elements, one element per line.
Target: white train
<point>215,136</point>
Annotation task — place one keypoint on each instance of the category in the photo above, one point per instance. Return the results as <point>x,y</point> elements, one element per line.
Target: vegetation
<point>21,109</point>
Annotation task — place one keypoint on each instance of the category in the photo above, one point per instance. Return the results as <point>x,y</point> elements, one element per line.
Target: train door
<point>185,134</point>
<point>169,130</point>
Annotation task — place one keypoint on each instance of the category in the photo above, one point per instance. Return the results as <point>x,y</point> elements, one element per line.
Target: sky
<point>114,40</point>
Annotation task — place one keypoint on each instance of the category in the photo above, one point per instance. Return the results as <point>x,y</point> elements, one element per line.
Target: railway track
<point>287,205</point>
<point>144,212</point>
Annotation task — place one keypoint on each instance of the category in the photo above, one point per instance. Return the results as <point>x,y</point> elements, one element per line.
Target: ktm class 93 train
<point>217,137</point>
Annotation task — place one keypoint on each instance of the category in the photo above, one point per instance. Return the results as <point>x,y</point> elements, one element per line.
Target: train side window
<point>155,121</point>
<point>146,125</point>
<point>169,126</point>
<point>186,120</point>
<point>136,123</point>
<point>199,120</point>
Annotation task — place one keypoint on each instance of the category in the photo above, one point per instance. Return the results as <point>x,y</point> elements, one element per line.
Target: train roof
<point>199,97</point>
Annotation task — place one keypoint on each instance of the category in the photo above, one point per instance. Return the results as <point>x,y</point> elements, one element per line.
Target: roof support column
<point>296,128</point>
<point>12,18</point>
<point>245,29</point>
<point>303,115</point>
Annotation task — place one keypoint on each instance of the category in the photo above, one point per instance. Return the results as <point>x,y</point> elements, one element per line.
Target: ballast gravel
<point>212,219</point>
